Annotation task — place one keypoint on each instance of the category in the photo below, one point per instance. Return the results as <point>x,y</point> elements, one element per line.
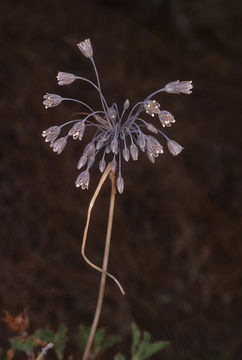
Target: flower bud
<point>102,165</point>
<point>107,149</point>
<point>82,161</point>
<point>112,113</point>
<point>141,141</point>
<point>152,128</point>
<point>91,160</point>
<point>126,104</point>
<point>113,164</point>
<point>120,184</point>
<point>126,154</point>
<point>101,142</point>
<point>134,152</point>
<point>89,149</point>
<point>114,145</point>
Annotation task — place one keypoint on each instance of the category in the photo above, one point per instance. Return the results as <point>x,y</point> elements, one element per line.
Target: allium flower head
<point>117,135</point>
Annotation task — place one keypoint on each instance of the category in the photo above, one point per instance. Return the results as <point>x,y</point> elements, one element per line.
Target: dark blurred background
<point>176,244</point>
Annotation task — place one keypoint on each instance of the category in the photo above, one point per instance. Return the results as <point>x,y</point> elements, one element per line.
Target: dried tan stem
<point>84,239</point>
<point>104,271</point>
<point>44,351</point>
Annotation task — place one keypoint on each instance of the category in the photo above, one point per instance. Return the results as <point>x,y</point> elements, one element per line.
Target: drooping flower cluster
<point>118,135</point>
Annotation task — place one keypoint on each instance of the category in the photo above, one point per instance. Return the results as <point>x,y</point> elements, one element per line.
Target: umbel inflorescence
<point>117,135</point>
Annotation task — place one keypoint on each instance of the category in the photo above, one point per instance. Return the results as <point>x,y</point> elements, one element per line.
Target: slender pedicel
<point>105,108</point>
<point>95,86</point>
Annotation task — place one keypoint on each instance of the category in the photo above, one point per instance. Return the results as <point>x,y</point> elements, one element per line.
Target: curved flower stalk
<point>116,136</point>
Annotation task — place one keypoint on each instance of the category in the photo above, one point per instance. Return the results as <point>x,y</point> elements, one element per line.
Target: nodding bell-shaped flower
<point>77,130</point>
<point>120,184</point>
<point>177,87</point>
<point>166,118</point>
<point>174,147</point>
<point>51,133</point>
<point>86,48</point>
<point>153,146</point>
<point>52,100</point>
<point>83,180</point>
<point>151,107</point>
<point>65,78</point>
<point>59,145</point>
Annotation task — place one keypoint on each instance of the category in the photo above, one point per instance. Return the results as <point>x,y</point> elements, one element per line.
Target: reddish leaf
<point>19,323</point>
